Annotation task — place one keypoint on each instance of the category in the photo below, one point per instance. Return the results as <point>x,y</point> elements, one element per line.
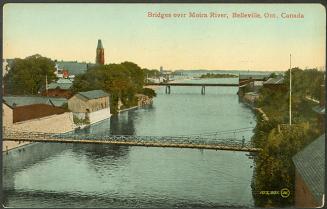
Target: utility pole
<point>46,84</point>
<point>290,108</point>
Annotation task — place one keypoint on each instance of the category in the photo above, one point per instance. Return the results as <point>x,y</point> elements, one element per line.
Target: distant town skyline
<point>133,32</point>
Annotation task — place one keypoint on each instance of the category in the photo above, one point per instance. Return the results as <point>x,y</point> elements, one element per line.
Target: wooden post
<point>203,90</point>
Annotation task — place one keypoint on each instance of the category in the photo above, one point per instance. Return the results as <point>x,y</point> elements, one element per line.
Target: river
<point>67,175</point>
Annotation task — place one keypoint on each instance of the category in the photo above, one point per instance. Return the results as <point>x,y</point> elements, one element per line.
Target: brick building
<point>22,108</point>
<point>99,54</point>
<point>60,88</point>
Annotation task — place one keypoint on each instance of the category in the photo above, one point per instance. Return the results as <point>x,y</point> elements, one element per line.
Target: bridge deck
<point>193,84</point>
<point>200,142</point>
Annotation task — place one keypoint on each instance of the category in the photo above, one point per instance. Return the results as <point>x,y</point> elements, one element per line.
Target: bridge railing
<point>204,140</point>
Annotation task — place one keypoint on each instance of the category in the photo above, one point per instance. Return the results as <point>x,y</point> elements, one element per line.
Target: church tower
<point>99,54</point>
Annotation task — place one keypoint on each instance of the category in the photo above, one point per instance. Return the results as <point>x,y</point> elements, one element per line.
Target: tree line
<point>279,142</point>
<point>122,81</point>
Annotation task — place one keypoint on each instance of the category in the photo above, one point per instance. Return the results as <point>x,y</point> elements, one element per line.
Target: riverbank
<point>153,87</point>
<point>126,109</point>
<point>10,145</point>
<point>61,123</point>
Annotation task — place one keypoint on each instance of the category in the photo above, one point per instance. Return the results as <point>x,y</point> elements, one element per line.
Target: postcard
<point>163,105</point>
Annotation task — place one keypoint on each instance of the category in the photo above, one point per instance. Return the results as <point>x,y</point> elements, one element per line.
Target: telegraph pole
<point>290,108</point>
<point>46,84</point>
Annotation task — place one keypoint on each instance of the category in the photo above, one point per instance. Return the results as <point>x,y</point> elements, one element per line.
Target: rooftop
<point>73,67</point>
<point>254,76</point>
<point>64,80</point>
<point>18,101</point>
<point>62,83</point>
<point>94,94</point>
<point>319,110</point>
<point>278,80</point>
<point>310,164</point>
<point>99,44</point>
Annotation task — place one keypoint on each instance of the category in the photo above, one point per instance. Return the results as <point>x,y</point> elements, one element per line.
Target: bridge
<point>241,84</point>
<point>203,141</point>
<point>203,85</point>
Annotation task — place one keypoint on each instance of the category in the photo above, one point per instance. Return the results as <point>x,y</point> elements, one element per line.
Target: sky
<point>70,32</point>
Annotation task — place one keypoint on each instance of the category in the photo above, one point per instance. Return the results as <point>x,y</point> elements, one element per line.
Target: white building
<point>90,106</point>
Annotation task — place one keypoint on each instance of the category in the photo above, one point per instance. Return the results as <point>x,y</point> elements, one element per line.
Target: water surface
<point>67,175</point>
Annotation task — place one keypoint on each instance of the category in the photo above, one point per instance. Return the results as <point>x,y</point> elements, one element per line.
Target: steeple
<point>99,54</point>
<point>99,44</point>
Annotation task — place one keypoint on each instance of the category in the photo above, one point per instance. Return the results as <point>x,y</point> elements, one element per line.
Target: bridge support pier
<point>203,90</point>
<point>240,91</point>
<point>167,89</point>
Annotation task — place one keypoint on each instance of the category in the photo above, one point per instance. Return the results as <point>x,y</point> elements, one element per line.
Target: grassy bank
<point>279,141</point>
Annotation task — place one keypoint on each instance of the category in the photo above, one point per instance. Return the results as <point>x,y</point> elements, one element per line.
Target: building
<point>7,115</point>
<point>91,106</point>
<point>25,108</point>
<point>69,69</point>
<point>28,112</point>
<point>277,84</point>
<point>310,174</point>
<point>250,82</point>
<point>320,109</point>
<point>60,88</point>
<point>99,54</point>
<point>35,118</point>
<point>17,101</point>
<point>6,66</point>
<point>253,77</point>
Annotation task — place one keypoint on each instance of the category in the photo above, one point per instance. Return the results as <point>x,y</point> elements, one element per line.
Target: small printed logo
<point>285,193</point>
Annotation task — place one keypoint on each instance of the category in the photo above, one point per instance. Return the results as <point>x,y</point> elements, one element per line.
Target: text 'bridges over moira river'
<point>222,140</point>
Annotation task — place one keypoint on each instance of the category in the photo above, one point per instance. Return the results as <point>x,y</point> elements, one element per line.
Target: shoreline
<point>130,108</point>
<point>11,145</point>
<point>153,87</point>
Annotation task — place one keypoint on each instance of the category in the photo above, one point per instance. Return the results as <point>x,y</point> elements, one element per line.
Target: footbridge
<point>212,140</point>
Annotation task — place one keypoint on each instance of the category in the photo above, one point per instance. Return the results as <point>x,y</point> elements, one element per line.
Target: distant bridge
<point>204,141</point>
<point>194,84</point>
<point>241,84</point>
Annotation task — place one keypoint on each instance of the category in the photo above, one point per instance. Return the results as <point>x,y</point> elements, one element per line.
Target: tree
<point>136,73</point>
<point>149,92</point>
<point>274,168</point>
<point>122,81</point>
<point>273,75</point>
<point>28,76</point>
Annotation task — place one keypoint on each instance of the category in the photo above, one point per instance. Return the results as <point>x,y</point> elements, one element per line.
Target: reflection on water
<point>77,175</point>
